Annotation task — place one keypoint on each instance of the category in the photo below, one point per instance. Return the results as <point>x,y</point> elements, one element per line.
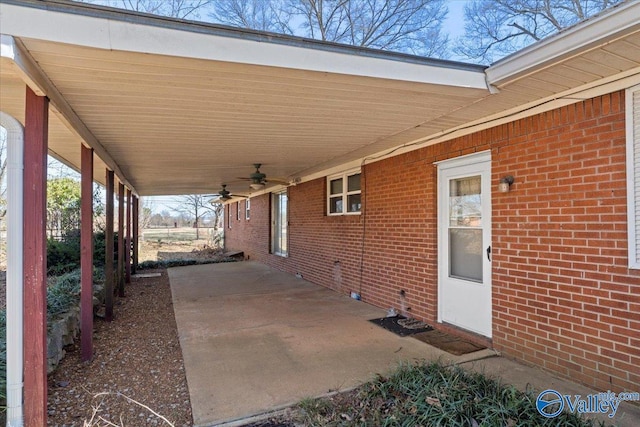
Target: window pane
<point>353,183</point>
<point>465,253</point>
<point>336,186</point>
<point>465,202</point>
<point>335,205</point>
<point>353,203</point>
<point>283,224</point>
<point>279,232</point>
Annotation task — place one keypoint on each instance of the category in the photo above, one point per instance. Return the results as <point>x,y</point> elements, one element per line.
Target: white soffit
<point>64,124</point>
<point>163,36</point>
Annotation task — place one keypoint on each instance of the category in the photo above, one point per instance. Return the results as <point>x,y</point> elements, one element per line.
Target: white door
<point>464,242</point>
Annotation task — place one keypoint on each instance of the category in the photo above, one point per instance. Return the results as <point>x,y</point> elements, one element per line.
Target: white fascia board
<point>33,76</point>
<point>127,35</point>
<point>620,21</point>
<point>21,66</point>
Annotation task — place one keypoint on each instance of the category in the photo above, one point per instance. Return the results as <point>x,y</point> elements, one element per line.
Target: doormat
<point>449,343</point>
<point>401,325</point>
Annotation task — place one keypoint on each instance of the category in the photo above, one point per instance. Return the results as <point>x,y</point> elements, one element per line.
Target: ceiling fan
<point>259,179</point>
<point>225,195</point>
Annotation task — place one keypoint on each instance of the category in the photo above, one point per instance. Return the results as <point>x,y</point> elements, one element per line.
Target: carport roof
<point>177,107</point>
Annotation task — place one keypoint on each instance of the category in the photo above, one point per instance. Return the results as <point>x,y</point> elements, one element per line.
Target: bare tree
<point>183,9</point>
<point>145,213</point>
<point>262,15</point>
<point>412,26</point>
<point>196,207</point>
<point>496,28</point>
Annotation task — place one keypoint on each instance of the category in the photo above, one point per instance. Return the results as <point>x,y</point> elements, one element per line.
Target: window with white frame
<point>633,173</point>
<point>344,194</point>
<point>238,216</point>
<point>247,209</point>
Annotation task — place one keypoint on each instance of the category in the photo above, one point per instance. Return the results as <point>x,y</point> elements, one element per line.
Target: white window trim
<point>247,209</point>
<point>229,215</point>
<point>238,216</point>
<point>632,119</point>
<point>345,194</point>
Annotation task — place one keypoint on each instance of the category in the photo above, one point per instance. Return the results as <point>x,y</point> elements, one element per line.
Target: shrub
<point>64,256</point>
<point>432,394</point>
<point>151,265</point>
<point>63,292</point>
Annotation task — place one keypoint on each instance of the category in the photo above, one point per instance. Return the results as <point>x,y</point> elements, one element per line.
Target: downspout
<point>15,167</point>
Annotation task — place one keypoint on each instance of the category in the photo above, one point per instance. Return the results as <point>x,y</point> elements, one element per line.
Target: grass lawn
<point>172,235</point>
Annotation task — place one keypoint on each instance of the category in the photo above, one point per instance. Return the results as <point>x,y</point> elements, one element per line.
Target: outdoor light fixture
<point>257,185</point>
<point>505,183</point>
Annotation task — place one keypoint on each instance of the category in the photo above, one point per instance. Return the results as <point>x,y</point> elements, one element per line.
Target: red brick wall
<point>563,298</point>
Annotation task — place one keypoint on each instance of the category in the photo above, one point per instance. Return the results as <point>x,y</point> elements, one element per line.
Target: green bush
<point>63,255</point>
<point>99,248</point>
<point>63,292</point>
<point>151,265</point>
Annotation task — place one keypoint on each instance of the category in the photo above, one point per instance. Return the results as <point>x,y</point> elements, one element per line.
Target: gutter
<point>14,326</point>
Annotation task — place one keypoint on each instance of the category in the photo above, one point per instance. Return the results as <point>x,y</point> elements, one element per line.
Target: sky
<point>455,18</point>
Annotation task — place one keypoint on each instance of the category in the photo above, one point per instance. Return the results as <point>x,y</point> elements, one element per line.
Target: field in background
<point>178,243</point>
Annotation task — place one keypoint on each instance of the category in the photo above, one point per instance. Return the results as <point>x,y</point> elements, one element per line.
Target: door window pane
<point>465,228</point>
<point>465,202</point>
<point>465,253</point>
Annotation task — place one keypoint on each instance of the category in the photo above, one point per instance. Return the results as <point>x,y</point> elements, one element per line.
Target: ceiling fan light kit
<point>258,180</point>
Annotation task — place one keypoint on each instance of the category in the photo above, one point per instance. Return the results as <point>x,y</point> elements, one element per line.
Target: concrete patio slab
<point>254,339</point>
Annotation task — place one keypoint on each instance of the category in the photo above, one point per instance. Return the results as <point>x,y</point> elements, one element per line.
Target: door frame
<point>443,260</point>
